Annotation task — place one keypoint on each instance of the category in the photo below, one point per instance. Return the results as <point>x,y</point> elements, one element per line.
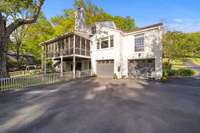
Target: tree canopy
<point>45,29</point>
<point>181,45</point>
<point>92,14</point>
<point>14,14</point>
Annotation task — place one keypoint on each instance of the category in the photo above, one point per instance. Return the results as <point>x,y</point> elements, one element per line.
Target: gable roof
<point>81,34</point>
<point>146,27</point>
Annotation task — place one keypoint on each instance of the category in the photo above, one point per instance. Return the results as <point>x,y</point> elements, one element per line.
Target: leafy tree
<point>37,33</point>
<point>125,24</point>
<point>11,18</point>
<point>17,39</point>
<point>181,45</point>
<point>92,14</point>
<point>171,41</point>
<point>64,23</point>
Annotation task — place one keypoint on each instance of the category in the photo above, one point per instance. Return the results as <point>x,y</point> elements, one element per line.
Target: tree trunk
<point>18,54</point>
<point>3,48</point>
<point>6,31</point>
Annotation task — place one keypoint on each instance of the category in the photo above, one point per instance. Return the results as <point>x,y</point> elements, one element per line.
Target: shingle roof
<point>84,35</point>
<point>146,27</point>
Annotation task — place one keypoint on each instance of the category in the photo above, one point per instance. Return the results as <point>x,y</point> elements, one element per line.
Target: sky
<point>179,15</point>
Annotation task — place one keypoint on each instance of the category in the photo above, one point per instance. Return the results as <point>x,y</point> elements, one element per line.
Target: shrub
<point>115,76</point>
<point>182,72</point>
<point>168,71</point>
<point>95,75</point>
<point>167,67</point>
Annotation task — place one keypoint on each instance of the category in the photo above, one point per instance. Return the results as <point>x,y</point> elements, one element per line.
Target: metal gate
<point>105,68</point>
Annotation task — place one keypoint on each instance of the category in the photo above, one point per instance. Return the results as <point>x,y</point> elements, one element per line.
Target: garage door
<point>105,68</point>
<point>141,68</point>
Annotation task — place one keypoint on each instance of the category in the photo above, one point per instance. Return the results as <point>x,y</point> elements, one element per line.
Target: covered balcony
<point>70,52</point>
<point>68,45</point>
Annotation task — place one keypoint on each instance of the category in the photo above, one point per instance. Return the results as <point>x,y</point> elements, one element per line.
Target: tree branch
<point>19,22</point>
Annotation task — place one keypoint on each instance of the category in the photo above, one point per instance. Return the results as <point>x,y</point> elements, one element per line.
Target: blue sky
<point>181,15</point>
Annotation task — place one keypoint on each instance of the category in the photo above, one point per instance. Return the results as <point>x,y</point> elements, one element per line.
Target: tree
<point>37,33</point>
<point>64,23</point>
<point>172,42</point>
<point>18,40</point>
<point>181,45</point>
<point>11,18</point>
<point>125,24</point>
<point>92,14</point>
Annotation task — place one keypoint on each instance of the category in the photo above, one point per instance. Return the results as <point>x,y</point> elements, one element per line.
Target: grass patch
<point>182,72</point>
<point>176,69</point>
<point>176,63</point>
<point>196,61</point>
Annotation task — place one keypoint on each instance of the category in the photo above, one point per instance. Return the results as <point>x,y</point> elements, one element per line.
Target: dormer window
<point>139,43</point>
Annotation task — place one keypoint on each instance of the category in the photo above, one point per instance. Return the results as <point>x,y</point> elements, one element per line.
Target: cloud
<point>178,20</point>
<point>184,25</point>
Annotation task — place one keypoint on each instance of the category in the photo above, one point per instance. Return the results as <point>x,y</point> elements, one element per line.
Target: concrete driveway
<point>104,106</point>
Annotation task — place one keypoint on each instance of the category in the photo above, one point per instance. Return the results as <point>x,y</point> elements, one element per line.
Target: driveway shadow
<point>101,106</point>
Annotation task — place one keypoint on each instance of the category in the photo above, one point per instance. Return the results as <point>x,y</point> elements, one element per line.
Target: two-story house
<point>108,52</point>
<point>131,54</point>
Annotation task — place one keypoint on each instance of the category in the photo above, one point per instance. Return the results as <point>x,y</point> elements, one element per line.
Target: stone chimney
<point>79,20</point>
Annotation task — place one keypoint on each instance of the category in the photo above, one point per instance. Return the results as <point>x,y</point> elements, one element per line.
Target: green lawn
<point>176,64</point>
<point>178,68</point>
<point>196,61</point>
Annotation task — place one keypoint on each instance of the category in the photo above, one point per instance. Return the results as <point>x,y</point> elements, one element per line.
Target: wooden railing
<point>35,80</point>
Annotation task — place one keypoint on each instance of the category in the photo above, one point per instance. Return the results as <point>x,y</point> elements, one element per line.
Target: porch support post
<point>45,66</point>
<point>74,59</point>
<point>61,66</point>
<point>74,67</point>
<point>44,59</point>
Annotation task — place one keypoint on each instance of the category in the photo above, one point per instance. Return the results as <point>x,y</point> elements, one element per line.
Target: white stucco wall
<point>152,49</point>
<point>124,49</point>
<point>108,53</point>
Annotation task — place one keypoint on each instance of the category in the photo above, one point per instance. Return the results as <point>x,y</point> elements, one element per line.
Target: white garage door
<point>105,68</point>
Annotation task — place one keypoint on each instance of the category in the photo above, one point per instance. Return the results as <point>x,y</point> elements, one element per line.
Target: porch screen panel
<point>71,44</point>
<point>88,48</point>
<point>77,45</point>
<point>83,50</point>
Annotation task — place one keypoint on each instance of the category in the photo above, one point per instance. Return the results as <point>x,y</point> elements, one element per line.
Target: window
<point>112,41</point>
<point>104,43</point>
<point>139,43</point>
